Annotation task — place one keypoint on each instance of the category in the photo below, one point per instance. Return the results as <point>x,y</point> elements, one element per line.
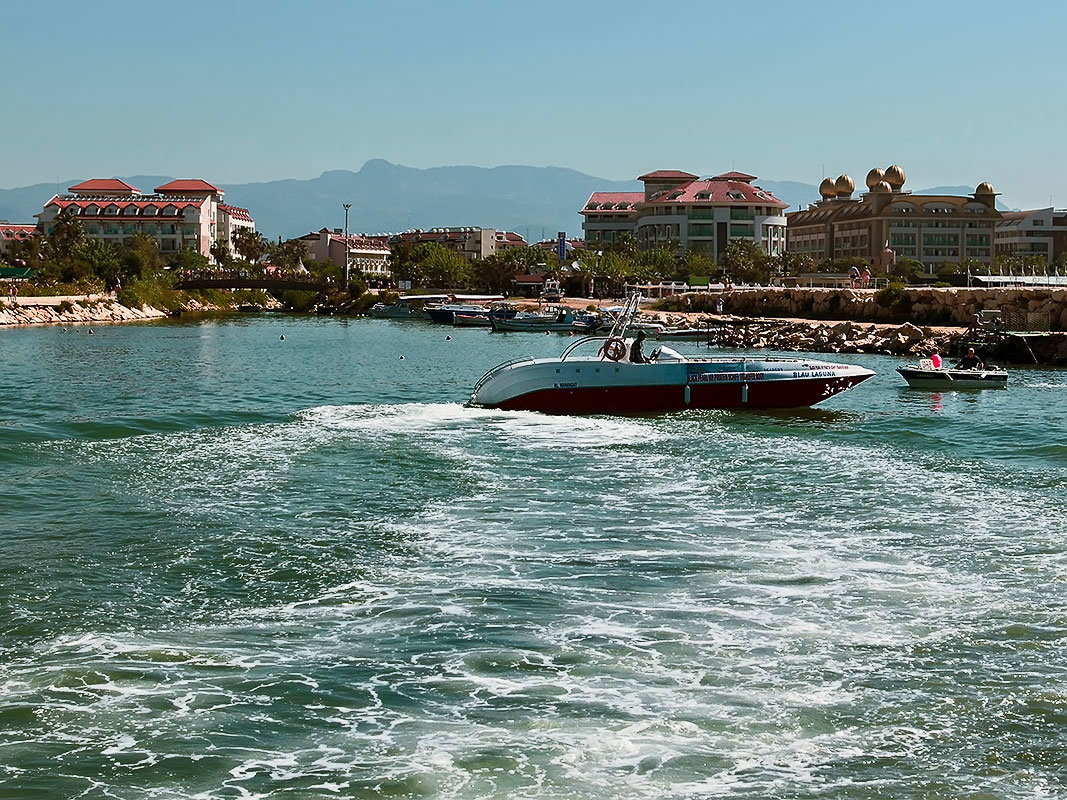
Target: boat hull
<point>594,386</point>
<point>948,380</point>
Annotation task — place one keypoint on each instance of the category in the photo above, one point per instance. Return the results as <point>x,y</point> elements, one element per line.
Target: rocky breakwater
<point>1036,308</point>
<point>813,336</point>
<point>70,312</point>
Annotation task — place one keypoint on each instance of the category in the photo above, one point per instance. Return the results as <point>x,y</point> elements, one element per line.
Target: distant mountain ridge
<point>385,197</point>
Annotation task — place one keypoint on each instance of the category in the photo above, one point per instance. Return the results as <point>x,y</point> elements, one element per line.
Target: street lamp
<point>346,207</point>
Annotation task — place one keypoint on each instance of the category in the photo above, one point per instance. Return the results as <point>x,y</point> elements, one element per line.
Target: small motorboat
<point>925,375</point>
<point>561,320</point>
<point>610,383</point>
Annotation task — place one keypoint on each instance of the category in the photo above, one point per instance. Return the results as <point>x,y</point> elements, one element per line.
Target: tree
<point>286,255</point>
<point>745,261</point>
<point>66,236</point>
<point>625,244</point>
<point>655,264</point>
<point>440,267</point>
<point>189,259</point>
<point>795,263</point>
<point>692,264</point>
<point>249,244</point>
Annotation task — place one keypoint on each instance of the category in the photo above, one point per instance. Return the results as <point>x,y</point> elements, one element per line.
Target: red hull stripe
<point>642,399</point>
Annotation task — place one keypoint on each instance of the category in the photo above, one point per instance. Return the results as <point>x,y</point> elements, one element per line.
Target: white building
<point>368,254</point>
<point>1041,232</point>
<point>682,211</point>
<point>181,214</point>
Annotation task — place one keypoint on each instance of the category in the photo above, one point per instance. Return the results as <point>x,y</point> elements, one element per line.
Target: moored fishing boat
<point>562,320</point>
<point>613,382</point>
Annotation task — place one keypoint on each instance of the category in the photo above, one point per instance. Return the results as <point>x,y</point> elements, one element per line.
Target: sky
<point>954,92</point>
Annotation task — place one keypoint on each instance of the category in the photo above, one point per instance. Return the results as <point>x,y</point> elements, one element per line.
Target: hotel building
<point>887,222</point>
<point>181,214</point>
<point>682,211</point>
<point>1041,232</point>
<point>11,232</point>
<point>471,243</point>
<point>368,254</point>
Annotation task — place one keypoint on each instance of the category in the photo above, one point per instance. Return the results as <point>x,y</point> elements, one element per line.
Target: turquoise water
<point>236,566</point>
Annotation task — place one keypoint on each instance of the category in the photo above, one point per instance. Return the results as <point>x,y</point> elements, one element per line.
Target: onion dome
<point>882,187</point>
<point>874,177</point>
<point>844,186</point>
<point>894,175</point>
<point>827,188</point>
<point>984,188</point>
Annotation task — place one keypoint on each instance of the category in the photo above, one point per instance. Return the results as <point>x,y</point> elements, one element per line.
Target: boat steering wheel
<point>614,349</point>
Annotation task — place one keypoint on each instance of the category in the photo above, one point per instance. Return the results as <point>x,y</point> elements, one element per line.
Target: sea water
<point>239,566</point>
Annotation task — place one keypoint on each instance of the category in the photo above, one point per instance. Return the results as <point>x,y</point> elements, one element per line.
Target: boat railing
<point>498,368</point>
<point>571,348</point>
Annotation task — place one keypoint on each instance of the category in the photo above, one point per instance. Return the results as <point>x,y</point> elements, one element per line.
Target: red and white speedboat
<point>609,382</point>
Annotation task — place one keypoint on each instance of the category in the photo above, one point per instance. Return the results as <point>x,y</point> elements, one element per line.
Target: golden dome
<point>984,188</point>
<point>874,177</point>
<point>827,188</point>
<point>844,186</point>
<point>882,187</point>
<point>894,176</point>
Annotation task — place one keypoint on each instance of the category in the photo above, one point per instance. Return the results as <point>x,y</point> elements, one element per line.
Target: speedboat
<point>609,382</point>
<point>925,376</point>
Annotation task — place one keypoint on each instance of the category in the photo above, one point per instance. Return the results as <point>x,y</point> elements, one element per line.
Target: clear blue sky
<point>954,92</point>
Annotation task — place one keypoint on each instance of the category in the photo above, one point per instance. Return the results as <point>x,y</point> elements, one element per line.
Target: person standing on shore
<point>719,306</point>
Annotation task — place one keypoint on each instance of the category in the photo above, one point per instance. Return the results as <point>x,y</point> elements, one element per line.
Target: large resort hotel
<point>887,222</point>
<point>680,210</point>
<point>181,214</point>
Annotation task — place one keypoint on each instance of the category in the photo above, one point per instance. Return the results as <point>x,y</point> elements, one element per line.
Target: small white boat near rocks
<point>925,376</point>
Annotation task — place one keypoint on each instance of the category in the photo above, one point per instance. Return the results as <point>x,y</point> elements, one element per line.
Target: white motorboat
<point>925,376</point>
<point>610,382</point>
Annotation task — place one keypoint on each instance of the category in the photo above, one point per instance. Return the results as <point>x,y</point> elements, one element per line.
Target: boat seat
<point>926,363</point>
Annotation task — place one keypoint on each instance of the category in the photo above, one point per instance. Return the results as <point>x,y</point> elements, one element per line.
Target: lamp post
<point>345,274</point>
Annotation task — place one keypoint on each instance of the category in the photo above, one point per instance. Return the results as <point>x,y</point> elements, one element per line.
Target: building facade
<point>11,232</point>
<point>471,243</point>
<point>888,222</point>
<point>369,254</point>
<point>681,211</point>
<point>1041,232</point>
<point>181,214</point>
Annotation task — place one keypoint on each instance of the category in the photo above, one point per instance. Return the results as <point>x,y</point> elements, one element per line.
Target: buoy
<point>401,358</point>
<point>90,331</point>
<point>546,333</point>
<point>282,337</point>
<point>448,338</point>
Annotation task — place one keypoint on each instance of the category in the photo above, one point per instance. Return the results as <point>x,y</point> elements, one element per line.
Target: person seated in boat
<point>969,361</point>
<point>636,356</point>
<point>935,359</point>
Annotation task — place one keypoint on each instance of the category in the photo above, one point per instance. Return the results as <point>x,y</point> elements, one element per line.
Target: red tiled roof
<point>667,175</point>
<point>191,185</point>
<point>735,176</point>
<point>236,212</point>
<point>718,191</point>
<point>528,279</point>
<point>103,185</point>
<point>104,203</point>
<point>9,230</point>
<point>613,199</point>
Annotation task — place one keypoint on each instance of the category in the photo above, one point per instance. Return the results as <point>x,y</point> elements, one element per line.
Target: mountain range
<point>533,201</point>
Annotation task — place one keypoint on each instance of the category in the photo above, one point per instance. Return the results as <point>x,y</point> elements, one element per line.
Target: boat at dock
<point>480,305</point>
<point>610,382</point>
<point>556,320</point>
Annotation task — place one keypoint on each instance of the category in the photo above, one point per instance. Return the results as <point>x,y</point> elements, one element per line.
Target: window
<point>151,211</point>
<point>111,210</point>
<point>130,210</point>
